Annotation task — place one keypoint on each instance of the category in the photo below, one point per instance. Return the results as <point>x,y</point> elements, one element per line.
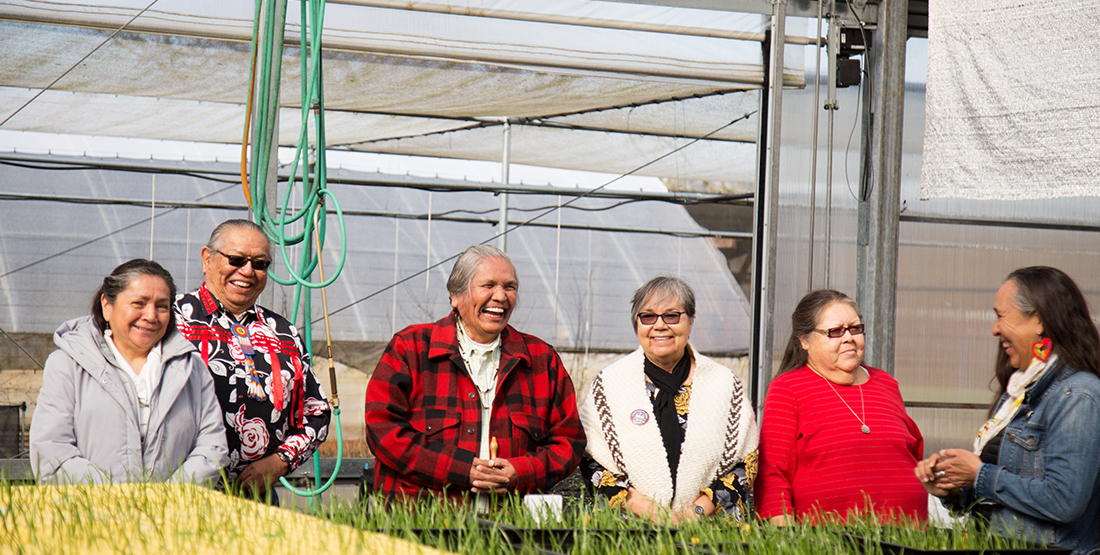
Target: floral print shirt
<point>262,416</point>
<point>731,494</point>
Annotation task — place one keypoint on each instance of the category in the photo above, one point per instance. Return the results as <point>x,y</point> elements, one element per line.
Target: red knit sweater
<point>815,459</point>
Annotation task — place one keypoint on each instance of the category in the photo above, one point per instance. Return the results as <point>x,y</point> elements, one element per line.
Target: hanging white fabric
<point>1012,109</point>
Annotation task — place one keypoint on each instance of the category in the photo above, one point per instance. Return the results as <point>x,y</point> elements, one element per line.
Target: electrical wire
<point>543,120</point>
<point>206,176</point>
<point>30,356</point>
<point>863,196</point>
<point>85,167</point>
<point>77,64</point>
<point>99,238</point>
<point>539,122</point>
<point>544,213</point>
<point>446,215</point>
<point>848,149</point>
<point>248,109</point>
<point>367,213</point>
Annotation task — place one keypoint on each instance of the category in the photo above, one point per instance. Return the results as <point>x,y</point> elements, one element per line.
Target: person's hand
<point>688,514</point>
<point>945,472</point>
<point>641,505</point>
<point>928,475</point>
<point>778,520</point>
<point>957,468</point>
<point>496,475</point>
<point>926,470</point>
<point>258,476</point>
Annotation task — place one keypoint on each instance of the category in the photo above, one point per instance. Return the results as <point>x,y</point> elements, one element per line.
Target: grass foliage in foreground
<point>167,518</point>
<point>136,519</point>
<point>599,530</point>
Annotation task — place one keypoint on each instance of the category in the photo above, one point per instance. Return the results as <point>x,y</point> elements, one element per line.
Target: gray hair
<point>1023,300</point>
<point>662,288</point>
<point>217,237</point>
<point>462,274</point>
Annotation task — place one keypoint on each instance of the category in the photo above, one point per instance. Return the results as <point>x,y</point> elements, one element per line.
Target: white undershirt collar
<point>144,382</point>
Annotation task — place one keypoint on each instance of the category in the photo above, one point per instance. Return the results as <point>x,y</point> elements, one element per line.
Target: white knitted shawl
<point>721,429</point>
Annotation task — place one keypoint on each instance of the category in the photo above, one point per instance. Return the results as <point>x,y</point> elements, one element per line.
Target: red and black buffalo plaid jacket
<point>423,418</point>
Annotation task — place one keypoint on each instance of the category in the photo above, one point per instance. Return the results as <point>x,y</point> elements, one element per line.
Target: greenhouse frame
<point>615,140</point>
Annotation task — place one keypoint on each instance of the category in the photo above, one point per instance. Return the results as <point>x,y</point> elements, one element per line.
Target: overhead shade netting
<point>406,82</point>
<point>575,284</point>
<point>1012,106</point>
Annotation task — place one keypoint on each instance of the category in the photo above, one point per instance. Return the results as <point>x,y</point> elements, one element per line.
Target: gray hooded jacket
<point>85,427</point>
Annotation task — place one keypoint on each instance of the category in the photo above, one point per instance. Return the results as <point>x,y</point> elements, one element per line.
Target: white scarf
<point>1017,388</point>
<point>624,438</point>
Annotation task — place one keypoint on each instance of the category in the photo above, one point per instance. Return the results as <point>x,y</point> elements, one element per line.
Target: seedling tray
<point>562,539</point>
<point>443,537</point>
<point>889,548</point>
<point>715,548</point>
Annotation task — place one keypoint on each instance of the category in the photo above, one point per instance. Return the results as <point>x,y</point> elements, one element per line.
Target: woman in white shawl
<point>658,446</point>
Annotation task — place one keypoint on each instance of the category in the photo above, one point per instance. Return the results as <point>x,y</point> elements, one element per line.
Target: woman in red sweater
<point>835,438</point>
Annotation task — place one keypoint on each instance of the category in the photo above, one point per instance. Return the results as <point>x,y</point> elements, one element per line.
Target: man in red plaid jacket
<point>469,404</point>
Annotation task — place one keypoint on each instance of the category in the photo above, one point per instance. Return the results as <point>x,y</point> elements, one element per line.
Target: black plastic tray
<point>715,548</point>
<point>562,538</point>
<point>549,541</point>
<point>457,534</point>
<point>889,548</point>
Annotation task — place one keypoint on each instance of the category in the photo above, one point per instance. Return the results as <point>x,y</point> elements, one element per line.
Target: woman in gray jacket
<point>126,398</point>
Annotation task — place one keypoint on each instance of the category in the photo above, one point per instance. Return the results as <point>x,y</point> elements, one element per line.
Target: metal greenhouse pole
<point>766,208</point>
<point>880,188</point>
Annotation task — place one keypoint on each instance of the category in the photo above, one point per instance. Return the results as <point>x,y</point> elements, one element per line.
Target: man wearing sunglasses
<point>468,404</point>
<point>272,425</point>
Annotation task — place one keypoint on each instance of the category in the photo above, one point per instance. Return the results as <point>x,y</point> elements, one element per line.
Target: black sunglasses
<point>835,333</point>
<point>670,318</point>
<point>258,264</point>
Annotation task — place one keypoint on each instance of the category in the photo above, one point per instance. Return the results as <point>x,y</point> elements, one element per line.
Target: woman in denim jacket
<point>1034,468</point>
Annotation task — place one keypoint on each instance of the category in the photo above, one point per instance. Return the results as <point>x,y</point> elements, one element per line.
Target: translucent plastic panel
<point>575,284</point>
<point>947,428</point>
<point>948,277</point>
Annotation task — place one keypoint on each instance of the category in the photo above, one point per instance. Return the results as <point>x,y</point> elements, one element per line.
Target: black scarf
<point>664,408</point>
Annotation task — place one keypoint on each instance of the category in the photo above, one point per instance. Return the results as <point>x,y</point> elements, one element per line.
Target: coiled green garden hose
<point>296,226</point>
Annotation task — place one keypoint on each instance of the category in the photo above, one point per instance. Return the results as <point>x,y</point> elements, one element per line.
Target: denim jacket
<point>1045,486</point>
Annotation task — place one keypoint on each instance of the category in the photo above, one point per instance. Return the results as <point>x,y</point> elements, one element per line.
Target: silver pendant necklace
<point>863,424</point>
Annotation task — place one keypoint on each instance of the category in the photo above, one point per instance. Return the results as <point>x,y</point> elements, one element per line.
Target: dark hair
<point>662,287</point>
<point>1064,315</point>
<point>465,268</point>
<point>217,237</point>
<point>121,278</point>
<point>803,321</point>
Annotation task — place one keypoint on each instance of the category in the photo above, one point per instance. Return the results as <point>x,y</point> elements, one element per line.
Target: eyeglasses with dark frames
<point>670,318</point>
<point>258,264</point>
<point>834,333</point>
